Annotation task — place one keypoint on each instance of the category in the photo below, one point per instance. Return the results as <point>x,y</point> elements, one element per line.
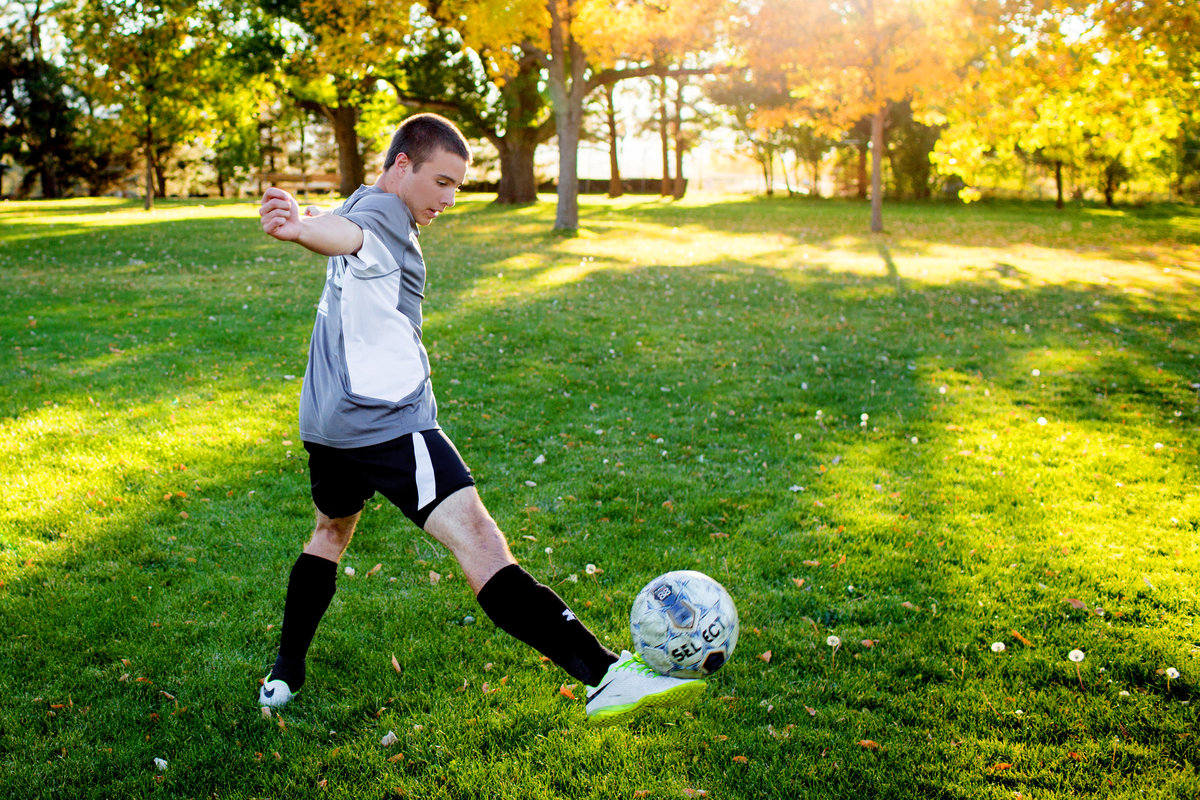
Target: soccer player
<point>368,420</point>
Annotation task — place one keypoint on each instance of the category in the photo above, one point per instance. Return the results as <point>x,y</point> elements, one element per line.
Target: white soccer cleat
<point>631,686</point>
<point>274,693</point>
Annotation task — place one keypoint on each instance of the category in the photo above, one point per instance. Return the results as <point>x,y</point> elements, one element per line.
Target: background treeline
<point>871,98</point>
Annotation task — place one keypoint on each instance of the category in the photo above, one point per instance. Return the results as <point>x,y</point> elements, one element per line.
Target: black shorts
<point>415,472</point>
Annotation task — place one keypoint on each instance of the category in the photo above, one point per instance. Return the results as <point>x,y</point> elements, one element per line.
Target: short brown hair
<point>422,135</point>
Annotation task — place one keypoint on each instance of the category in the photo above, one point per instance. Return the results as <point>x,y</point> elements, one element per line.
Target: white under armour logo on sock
<point>567,615</point>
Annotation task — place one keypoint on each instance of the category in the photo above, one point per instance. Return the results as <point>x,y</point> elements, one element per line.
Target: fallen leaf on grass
<point>1075,756</point>
<point>395,663</point>
<point>741,759</point>
<point>839,563</point>
<point>397,757</point>
<point>1001,766</point>
<point>766,656</point>
<point>1076,604</point>
<point>868,744</point>
<point>812,712</point>
<point>1022,639</point>
<point>799,582</point>
<point>641,792</point>
<point>389,739</point>
<point>812,563</point>
<point>566,692</point>
<point>434,578</point>
<point>374,570</point>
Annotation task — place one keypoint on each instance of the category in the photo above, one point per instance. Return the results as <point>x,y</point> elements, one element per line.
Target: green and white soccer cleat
<point>274,693</point>
<point>630,686</point>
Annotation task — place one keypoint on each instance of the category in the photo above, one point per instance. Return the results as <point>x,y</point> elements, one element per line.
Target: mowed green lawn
<point>977,429</point>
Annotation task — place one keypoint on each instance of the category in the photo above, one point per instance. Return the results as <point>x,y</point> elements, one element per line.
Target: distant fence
<point>316,182</point>
<point>329,182</point>
<point>586,186</point>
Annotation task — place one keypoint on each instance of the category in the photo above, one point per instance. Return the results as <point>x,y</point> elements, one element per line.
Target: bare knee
<point>463,525</point>
<point>331,536</point>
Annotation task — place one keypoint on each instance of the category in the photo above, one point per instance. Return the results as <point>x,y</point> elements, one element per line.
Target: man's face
<point>429,189</point>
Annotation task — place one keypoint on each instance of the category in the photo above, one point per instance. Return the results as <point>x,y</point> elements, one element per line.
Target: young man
<point>369,422</point>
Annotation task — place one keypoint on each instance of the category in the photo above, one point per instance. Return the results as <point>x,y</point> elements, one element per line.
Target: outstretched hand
<point>280,215</point>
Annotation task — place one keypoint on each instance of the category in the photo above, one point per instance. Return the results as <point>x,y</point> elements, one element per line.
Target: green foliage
<point>37,119</point>
<point>978,427</point>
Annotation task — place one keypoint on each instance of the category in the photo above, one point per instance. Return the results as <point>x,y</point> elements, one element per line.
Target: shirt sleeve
<point>382,214</point>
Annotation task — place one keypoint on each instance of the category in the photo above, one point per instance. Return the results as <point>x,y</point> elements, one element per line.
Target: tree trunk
<point>160,173</point>
<point>677,124</point>
<point>877,169</point>
<point>566,217</point>
<point>351,172</point>
<point>567,93</point>
<point>862,172</point>
<point>49,178</point>
<point>149,147</point>
<point>1058,184</point>
<point>615,187</point>
<point>665,139</point>
<point>767,161</point>
<point>518,181</point>
<point>519,133</point>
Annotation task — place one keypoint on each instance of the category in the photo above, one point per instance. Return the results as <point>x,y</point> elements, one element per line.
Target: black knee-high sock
<point>310,588</point>
<point>535,614</point>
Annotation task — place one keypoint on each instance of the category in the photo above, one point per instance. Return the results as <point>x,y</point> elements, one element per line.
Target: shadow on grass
<point>849,459</point>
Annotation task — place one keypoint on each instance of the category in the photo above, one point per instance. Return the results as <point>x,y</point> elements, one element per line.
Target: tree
<point>500,99</point>
<point>37,117</point>
<point>334,57</point>
<point>615,187</point>
<point>857,56</point>
<point>1073,96</point>
<point>910,143</point>
<point>755,104</point>
<point>141,58</point>
<point>584,44</point>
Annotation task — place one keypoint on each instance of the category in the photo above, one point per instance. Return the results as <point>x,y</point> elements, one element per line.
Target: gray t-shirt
<point>367,379</point>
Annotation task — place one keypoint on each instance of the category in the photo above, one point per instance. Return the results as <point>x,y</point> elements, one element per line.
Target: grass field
<point>980,427</point>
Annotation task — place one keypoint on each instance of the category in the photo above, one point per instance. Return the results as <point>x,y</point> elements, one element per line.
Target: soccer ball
<point>684,624</point>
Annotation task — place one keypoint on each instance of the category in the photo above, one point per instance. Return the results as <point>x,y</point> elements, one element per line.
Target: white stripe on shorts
<point>426,480</point>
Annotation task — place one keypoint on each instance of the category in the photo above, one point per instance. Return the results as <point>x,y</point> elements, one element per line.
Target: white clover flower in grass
<point>590,569</point>
<point>833,641</point>
<point>1172,674</point>
<point>998,647</point>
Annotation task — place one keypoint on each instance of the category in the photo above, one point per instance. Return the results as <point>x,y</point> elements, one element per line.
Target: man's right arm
<point>326,234</point>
